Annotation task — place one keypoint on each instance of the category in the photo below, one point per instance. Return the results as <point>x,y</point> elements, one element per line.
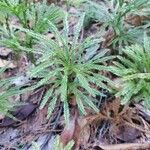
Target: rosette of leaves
<point>133,68</point>
<point>65,70</point>
<point>113,14</point>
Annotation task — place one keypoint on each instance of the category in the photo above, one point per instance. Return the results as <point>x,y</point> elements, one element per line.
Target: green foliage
<point>5,104</point>
<point>76,3</point>
<point>114,13</point>
<point>134,70</point>
<point>33,16</point>
<point>62,66</point>
<point>35,146</point>
<point>57,145</point>
<point>5,93</point>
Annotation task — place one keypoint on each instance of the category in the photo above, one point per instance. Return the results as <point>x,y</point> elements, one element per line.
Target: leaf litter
<point>115,127</point>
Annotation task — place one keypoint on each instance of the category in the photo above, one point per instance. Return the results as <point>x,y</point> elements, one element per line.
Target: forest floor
<point>115,127</point>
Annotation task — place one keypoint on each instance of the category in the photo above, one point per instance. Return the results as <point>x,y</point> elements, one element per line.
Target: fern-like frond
<point>134,71</point>
<point>79,102</point>
<point>66,112</point>
<point>51,106</point>
<point>46,98</point>
<point>84,83</point>
<point>57,145</point>
<point>78,30</point>
<point>64,69</point>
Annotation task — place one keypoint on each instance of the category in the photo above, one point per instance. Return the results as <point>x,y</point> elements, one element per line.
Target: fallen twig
<point>127,146</point>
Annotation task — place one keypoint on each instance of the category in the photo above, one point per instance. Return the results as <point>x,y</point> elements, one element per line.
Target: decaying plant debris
<point>74,75</point>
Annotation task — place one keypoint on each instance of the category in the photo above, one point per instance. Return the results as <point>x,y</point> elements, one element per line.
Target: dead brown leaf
<point>77,130</point>
<point>109,36</point>
<point>20,114</point>
<point>134,20</point>
<point>145,113</point>
<point>83,132</point>
<point>124,122</point>
<point>68,132</point>
<point>126,133</point>
<point>4,51</point>
<point>7,63</point>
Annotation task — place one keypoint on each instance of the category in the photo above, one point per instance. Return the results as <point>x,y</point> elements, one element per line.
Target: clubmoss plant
<point>63,68</point>
<point>30,15</point>
<point>114,16</point>
<point>133,69</point>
